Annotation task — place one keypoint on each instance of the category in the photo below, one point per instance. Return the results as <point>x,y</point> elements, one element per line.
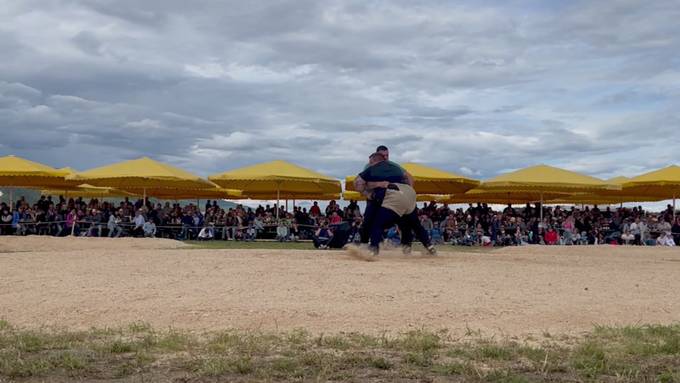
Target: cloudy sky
<point>474,87</point>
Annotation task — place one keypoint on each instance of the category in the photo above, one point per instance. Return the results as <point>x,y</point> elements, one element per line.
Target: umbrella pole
<point>673,208</point>
<point>11,199</point>
<point>286,204</point>
<point>541,207</point>
<point>278,198</point>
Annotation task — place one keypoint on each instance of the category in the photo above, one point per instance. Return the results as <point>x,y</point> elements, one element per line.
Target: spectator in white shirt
<point>665,239</point>
<point>139,221</point>
<point>149,228</point>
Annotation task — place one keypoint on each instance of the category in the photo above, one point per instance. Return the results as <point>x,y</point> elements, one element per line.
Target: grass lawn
<point>139,352</point>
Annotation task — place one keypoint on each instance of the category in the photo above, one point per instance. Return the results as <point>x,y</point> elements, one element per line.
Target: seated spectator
<point>206,233</point>
<point>335,218</point>
<point>6,223</point>
<point>113,225</point>
<point>251,233</point>
<point>627,237</point>
<point>551,237</point>
<point>294,232</point>
<point>282,231</point>
<point>393,236</point>
<point>96,225</point>
<point>139,221</point>
<point>665,239</point>
<point>322,236</point>
<point>149,228</point>
<point>675,231</point>
<point>72,223</point>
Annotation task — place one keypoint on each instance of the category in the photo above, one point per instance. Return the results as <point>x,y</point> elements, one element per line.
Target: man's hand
<point>360,184</point>
<point>377,184</point>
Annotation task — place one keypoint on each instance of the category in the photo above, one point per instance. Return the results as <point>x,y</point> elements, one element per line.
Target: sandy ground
<point>513,291</point>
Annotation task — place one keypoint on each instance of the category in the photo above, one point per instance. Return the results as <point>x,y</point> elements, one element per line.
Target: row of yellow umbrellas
<point>279,179</point>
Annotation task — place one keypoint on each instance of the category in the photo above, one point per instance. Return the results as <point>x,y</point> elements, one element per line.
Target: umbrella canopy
<point>429,180</point>
<point>143,176</point>
<point>277,176</point>
<point>212,193</point>
<point>270,180</point>
<point>543,178</point>
<point>661,183</point>
<point>594,199</point>
<point>607,197</point>
<point>87,191</point>
<point>20,172</point>
<point>297,196</point>
<point>356,196</point>
<point>516,196</point>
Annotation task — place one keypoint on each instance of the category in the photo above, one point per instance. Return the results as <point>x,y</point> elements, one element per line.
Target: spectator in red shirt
<point>335,218</point>
<point>551,237</point>
<point>315,210</point>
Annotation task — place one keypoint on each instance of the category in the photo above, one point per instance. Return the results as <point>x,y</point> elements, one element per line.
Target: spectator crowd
<point>475,225</point>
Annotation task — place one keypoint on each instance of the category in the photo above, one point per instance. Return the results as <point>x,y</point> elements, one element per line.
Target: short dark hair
<point>376,157</point>
<point>382,148</point>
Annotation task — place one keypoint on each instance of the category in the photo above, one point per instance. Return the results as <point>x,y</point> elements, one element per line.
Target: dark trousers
<point>372,207</point>
<point>408,224</point>
<point>370,214</point>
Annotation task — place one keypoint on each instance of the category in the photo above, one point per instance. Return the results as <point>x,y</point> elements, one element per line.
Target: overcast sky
<point>476,87</point>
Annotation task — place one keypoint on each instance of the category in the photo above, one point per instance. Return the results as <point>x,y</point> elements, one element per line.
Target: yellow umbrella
<point>663,183</point>
<point>271,179</point>
<point>213,193</point>
<point>429,180</point>
<point>356,196</point>
<point>517,196</point>
<point>607,197</point>
<point>19,172</point>
<point>297,196</point>
<point>143,176</point>
<point>543,179</point>
<point>594,199</point>
<point>87,191</point>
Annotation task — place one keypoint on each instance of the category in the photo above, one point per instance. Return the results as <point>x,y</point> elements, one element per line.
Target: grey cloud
<point>473,87</point>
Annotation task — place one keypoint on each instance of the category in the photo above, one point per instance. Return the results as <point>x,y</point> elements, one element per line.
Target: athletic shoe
<point>406,250</point>
<point>432,250</point>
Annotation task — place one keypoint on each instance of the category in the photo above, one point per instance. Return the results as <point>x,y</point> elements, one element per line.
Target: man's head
<point>376,158</point>
<point>382,149</point>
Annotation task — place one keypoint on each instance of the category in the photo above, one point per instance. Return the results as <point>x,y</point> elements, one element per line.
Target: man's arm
<point>409,178</point>
<point>362,187</point>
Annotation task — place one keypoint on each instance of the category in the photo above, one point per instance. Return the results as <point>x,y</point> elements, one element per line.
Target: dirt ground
<point>79,283</point>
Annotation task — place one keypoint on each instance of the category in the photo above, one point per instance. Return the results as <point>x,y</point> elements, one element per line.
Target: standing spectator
<point>315,210</point>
